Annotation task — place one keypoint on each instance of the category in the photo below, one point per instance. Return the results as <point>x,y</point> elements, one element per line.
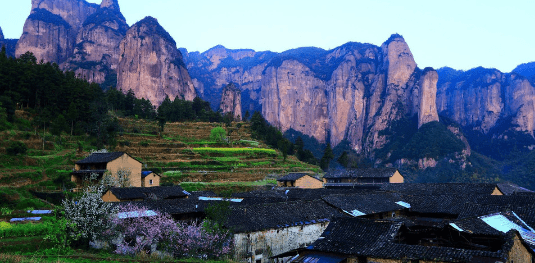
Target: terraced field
<point>179,153</point>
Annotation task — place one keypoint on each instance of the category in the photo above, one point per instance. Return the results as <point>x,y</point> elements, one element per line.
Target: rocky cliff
<point>231,101</point>
<point>151,65</point>
<point>51,29</point>
<point>480,99</point>
<point>1,34</point>
<point>96,54</point>
<point>350,93</point>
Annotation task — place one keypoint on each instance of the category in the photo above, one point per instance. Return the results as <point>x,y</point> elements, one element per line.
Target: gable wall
<point>273,242</point>
<point>129,163</point>
<point>397,178</point>
<point>497,191</point>
<point>110,197</point>
<point>308,182</point>
<point>519,252</point>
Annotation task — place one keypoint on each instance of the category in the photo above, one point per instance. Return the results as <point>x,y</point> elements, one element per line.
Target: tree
<point>327,157</point>
<point>59,125</point>
<point>16,148</point>
<point>218,134</point>
<point>90,214</point>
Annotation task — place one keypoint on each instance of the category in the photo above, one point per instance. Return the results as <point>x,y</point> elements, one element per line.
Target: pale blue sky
<point>458,33</point>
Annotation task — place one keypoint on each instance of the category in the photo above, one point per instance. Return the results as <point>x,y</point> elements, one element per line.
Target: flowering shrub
<point>141,231</point>
<point>89,214</point>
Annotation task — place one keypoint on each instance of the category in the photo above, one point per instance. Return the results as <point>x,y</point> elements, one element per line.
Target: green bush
<point>16,148</point>
<point>218,134</point>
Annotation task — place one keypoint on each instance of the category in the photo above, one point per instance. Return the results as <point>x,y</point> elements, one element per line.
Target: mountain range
<point>371,100</point>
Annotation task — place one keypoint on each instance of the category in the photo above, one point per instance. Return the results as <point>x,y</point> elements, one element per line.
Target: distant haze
<point>458,34</point>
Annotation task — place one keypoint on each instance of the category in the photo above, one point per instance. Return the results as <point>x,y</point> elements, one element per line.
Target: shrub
<point>218,134</point>
<point>16,148</point>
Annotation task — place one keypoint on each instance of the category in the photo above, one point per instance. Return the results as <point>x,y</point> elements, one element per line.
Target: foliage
<point>273,137</point>
<point>89,213</point>
<point>16,148</point>
<point>129,105</point>
<point>180,110</point>
<point>432,140</point>
<point>58,233</point>
<point>150,231</point>
<point>218,134</point>
<point>25,230</point>
<point>235,150</point>
<point>142,232</point>
<point>327,157</point>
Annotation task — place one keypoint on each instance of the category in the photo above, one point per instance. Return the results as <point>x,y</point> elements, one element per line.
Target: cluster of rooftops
<point>390,222</point>
<point>446,222</point>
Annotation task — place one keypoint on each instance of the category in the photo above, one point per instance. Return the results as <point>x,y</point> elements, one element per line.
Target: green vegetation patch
<point>235,150</point>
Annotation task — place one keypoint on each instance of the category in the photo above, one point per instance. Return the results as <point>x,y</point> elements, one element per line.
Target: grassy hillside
<point>182,153</point>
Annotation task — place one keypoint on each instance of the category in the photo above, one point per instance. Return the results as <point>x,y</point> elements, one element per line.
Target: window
<point>150,182</point>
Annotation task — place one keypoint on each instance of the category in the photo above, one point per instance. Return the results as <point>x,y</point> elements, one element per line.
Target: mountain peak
<point>1,34</point>
<point>111,4</point>
<point>395,37</point>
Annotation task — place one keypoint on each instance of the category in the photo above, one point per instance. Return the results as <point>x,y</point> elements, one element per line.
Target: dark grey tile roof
<point>508,188</point>
<point>88,172</point>
<point>244,219</point>
<point>440,188</point>
<point>160,192</point>
<point>293,177</point>
<point>100,158</point>
<point>366,203</point>
<point>360,173</point>
<point>361,237</point>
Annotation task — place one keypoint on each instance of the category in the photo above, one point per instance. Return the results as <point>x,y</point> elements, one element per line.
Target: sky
<point>461,34</point>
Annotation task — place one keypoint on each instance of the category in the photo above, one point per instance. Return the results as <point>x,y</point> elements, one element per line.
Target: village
<point>352,215</point>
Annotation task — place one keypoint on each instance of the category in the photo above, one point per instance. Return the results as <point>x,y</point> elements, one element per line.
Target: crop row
<point>24,230</point>
<point>234,150</point>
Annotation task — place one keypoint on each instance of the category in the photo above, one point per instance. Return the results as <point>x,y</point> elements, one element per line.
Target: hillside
<point>45,167</point>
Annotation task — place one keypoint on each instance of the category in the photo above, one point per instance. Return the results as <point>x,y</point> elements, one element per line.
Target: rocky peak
<point>96,54</point>
<point>111,4</point>
<point>73,12</point>
<point>151,65</point>
<point>1,34</point>
<point>427,111</point>
<point>231,101</point>
<point>51,29</point>
<point>399,61</point>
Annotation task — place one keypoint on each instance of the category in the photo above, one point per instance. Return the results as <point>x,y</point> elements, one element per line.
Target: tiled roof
<point>366,203</point>
<point>161,192</point>
<point>440,188</point>
<point>360,173</point>
<point>253,218</point>
<point>360,237</point>
<point>101,158</point>
<point>510,188</point>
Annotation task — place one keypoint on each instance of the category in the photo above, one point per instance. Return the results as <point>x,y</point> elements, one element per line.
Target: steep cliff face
<point>352,93</point>
<point>50,30</point>
<point>480,98</point>
<point>231,101</point>
<point>151,65</point>
<point>96,54</point>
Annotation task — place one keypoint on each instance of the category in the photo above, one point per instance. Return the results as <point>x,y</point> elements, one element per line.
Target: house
<point>150,179</point>
<point>374,177</point>
<point>100,163</point>
<point>355,240</point>
<point>299,180</point>
<point>124,194</point>
<point>263,230</point>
